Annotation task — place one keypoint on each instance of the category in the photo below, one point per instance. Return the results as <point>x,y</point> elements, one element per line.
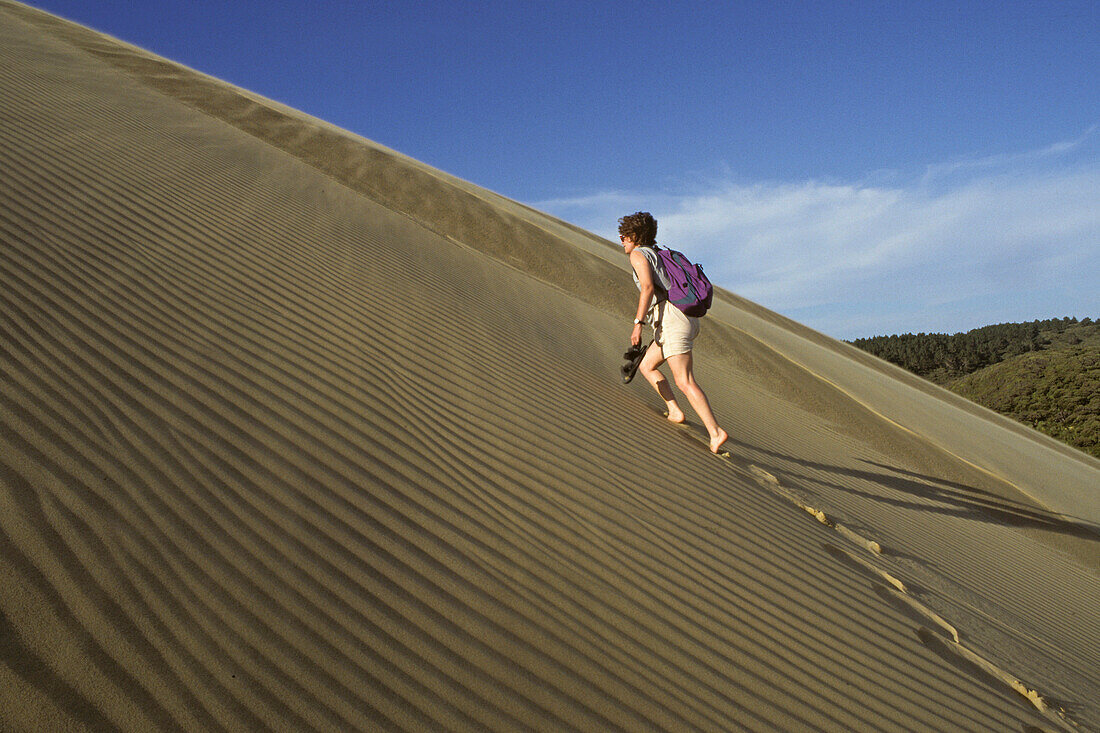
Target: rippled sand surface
<point>299,433</point>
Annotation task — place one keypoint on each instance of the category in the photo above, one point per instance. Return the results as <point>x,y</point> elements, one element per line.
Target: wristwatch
<point>638,323</point>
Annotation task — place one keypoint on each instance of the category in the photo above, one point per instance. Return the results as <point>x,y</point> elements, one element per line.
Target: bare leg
<point>681,366</point>
<point>648,367</point>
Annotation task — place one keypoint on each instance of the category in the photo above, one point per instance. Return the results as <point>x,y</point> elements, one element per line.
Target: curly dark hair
<point>641,227</point>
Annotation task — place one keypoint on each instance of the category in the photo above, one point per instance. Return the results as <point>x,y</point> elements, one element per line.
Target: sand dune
<point>299,433</point>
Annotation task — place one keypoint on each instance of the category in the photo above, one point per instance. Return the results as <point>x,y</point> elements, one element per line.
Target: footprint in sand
<point>946,642</point>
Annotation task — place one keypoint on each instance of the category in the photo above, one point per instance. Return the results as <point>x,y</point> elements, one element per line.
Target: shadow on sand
<point>937,495</point>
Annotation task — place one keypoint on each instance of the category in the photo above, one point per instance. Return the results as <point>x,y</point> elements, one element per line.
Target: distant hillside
<point>1045,374</point>
<point>1057,392</point>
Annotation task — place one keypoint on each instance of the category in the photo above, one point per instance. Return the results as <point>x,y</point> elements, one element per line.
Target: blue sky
<point>862,167</point>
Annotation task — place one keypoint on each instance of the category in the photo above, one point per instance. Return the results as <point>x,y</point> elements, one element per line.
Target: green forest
<point>1045,374</point>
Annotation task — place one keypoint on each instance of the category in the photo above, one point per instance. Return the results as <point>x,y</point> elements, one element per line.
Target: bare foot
<point>675,414</point>
<point>717,441</point>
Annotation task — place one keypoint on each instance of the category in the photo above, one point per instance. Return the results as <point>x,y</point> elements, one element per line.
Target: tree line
<point>943,358</point>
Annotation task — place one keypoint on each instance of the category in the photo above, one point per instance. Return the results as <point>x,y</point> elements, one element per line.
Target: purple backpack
<point>689,289</point>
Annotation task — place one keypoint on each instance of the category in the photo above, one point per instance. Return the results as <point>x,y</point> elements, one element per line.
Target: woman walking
<point>674,332</point>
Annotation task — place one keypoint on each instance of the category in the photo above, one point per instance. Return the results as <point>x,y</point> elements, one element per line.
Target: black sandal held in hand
<point>633,358</point>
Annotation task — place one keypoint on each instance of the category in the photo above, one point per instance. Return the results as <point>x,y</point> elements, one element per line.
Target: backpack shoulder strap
<point>655,264</point>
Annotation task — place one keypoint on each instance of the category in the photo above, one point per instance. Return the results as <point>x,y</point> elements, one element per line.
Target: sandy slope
<point>296,433</point>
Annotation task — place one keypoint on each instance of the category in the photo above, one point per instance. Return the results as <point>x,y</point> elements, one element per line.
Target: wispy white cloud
<point>1054,153</point>
<point>965,244</point>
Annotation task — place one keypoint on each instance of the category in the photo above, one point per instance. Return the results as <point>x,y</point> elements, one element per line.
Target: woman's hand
<point>636,335</point>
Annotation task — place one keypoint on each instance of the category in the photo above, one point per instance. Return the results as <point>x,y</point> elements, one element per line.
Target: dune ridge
<point>515,233</point>
<point>284,447</point>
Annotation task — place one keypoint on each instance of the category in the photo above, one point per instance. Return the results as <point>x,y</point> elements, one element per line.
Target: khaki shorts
<point>678,331</point>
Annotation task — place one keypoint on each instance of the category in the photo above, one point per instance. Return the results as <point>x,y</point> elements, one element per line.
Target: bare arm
<point>645,285</point>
